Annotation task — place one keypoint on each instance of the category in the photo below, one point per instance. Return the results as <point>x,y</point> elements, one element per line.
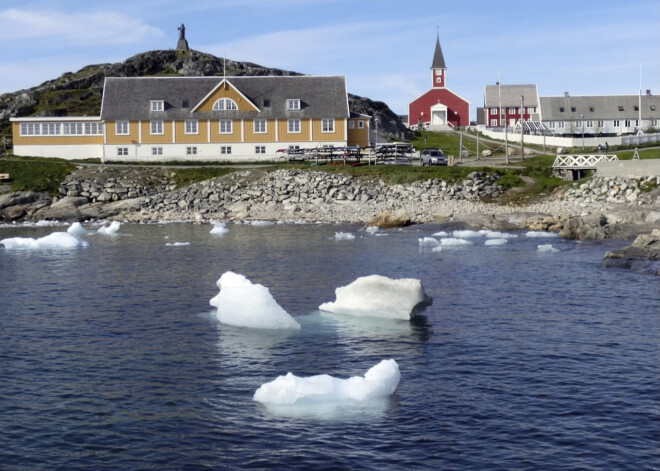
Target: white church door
<point>439,115</point>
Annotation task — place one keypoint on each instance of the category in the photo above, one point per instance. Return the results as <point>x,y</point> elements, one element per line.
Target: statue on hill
<point>182,43</point>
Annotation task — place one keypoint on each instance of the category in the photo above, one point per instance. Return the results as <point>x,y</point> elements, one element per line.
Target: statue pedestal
<point>182,44</point>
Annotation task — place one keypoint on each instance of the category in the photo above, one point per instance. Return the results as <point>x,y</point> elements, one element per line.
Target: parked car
<point>433,157</point>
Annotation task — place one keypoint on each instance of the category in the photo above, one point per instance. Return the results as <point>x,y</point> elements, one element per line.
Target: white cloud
<point>98,27</point>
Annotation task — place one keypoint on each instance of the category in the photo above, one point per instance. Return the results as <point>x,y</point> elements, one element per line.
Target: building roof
<point>509,96</point>
<point>129,97</point>
<point>566,108</point>
<point>438,58</point>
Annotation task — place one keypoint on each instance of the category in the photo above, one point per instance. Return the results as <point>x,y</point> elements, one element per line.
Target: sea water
<point>532,356</point>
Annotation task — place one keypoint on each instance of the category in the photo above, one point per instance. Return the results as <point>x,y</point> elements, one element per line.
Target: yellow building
<point>201,118</point>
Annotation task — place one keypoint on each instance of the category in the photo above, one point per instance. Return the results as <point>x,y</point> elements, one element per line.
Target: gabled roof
<point>129,97</point>
<point>226,83</point>
<point>510,96</point>
<point>568,108</point>
<point>438,58</point>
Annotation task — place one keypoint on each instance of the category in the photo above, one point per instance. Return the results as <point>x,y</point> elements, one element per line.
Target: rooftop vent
<point>566,95</point>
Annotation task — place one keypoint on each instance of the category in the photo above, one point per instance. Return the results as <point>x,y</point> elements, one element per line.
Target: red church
<point>439,108</point>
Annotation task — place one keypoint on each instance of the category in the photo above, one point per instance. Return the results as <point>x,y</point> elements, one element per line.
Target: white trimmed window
<point>224,104</point>
<point>121,128</point>
<point>293,125</point>
<point>157,127</point>
<point>157,151</point>
<point>351,125</point>
<point>327,125</point>
<point>30,129</point>
<point>51,129</point>
<point>360,124</point>
<point>293,104</point>
<point>72,129</point>
<point>191,150</point>
<point>122,150</point>
<point>259,126</point>
<point>225,150</point>
<point>191,126</point>
<point>157,105</point>
<point>225,126</point>
<point>627,123</point>
<point>493,122</point>
<point>93,128</point>
<point>259,149</point>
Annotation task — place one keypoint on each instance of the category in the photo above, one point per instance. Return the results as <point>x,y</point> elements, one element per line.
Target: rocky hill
<point>79,93</point>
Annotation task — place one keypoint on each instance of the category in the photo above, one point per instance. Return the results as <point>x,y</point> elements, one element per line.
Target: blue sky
<point>383,47</point>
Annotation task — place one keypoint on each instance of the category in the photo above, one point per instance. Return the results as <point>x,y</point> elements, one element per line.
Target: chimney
<point>648,92</point>
<point>566,95</point>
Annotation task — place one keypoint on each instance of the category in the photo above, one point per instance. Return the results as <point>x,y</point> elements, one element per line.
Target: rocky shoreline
<point>601,208</point>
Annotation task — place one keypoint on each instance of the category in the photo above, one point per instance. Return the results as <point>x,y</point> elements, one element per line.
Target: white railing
<point>584,161</point>
<point>209,159</point>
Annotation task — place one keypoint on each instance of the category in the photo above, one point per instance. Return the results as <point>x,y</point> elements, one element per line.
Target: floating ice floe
<point>380,296</point>
<point>380,381</point>
<point>244,304</point>
<point>44,223</point>
<point>497,234</point>
<point>493,242</point>
<point>219,228</point>
<point>109,230</point>
<point>372,229</point>
<point>344,236</point>
<point>546,248</point>
<point>541,234</point>
<point>466,233</point>
<point>261,223</point>
<point>455,242</point>
<point>428,242</point>
<point>54,241</point>
<point>440,234</point>
<point>177,244</point>
<point>77,229</point>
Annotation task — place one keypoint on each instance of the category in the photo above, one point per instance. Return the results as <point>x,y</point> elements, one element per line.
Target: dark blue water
<point>110,357</point>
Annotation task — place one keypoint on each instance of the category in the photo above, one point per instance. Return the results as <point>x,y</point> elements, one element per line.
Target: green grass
<point>643,154</point>
<point>188,176</point>
<point>35,174</point>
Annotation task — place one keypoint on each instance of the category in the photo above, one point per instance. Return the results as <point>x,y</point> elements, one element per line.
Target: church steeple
<point>438,66</point>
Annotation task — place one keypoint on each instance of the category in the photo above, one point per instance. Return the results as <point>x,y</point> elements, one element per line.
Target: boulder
<point>398,218</point>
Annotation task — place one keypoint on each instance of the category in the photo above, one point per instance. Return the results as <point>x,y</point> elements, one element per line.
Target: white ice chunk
<point>380,381</point>
<point>76,229</point>
<point>491,242</point>
<point>344,236</point>
<point>244,304</point>
<point>219,228</point>
<point>56,240</point>
<point>466,233</point>
<point>428,242</point>
<point>541,234</point>
<point>262,223</point>
<point>372,229</point>
<point>454,242</point>
<point>109,230</point>
<point>546,248</point>
<point>380,296</point>
<point>44,223</point>
<point>497,235</point>
<point>177,244</point>
<point>440,234</point>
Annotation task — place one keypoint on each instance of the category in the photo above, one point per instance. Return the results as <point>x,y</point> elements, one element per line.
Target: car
<point>433,157</point>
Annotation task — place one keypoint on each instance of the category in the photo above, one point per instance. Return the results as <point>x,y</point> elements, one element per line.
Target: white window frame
<point>225,150</point>
<point>157,150</point>
<point>293,126</point>
<point>225,126</point>
<point>122,150</point>
<point>191,150</point>
<point>93,129</point>
<point>327,125</point>
<point>351,124</point>
<point>156,127</point>
<point>121,128</point>
<point>493,122</point>
<point>360,124</point>
<point>259,149</point>
<point>51,129</point>
<point>513,110</point>
<point>259,126</point>
<point>191,126</point>
<point>225,104</point>
<point>72,129</point>
<point>157,105</point>
<point>30,129</point>
<point>293,104</point>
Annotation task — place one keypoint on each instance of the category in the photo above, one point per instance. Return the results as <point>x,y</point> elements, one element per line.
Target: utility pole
<point>522,128</point>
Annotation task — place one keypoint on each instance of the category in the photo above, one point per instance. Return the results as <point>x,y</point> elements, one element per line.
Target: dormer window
<point>572,109</point>
<point>224,104</point>
<point>293,104</point>
<point>266,103</point>
<point>620,108</point>
<point>157,105</point>
<point>636,108</point>
<point>592,109</point>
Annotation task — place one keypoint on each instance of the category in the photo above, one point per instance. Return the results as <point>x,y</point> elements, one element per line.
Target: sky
<point>384,48</point>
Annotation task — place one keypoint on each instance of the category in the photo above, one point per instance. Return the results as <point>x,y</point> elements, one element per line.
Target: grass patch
<point>34,174</point>
<point>188,176</point>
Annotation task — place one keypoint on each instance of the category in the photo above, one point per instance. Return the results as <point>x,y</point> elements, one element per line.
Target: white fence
<point>573,142</point>
<point>211,159</point>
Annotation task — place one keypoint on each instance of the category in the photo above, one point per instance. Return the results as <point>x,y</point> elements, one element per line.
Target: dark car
<point>433,157</point>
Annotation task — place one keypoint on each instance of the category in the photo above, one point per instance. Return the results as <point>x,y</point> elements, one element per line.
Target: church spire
<point>438,58</point>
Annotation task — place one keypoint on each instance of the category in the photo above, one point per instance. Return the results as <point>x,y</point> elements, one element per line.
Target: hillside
<point>79,93</point>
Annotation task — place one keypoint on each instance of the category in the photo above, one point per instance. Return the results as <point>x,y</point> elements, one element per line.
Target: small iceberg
<point>371,229</point>
<point>380,296</point>
<point>541,234</point>
<point>109,230</point>
<point>77,229</point>
<point>380,381</point>
<point>54,241</point>
<point>219,228</point>
<point>454,242</point>
<point>428,242</point>
<point>177,244</point>
<point>344,236</point>
<point>494,242</point>
<point>244,304</point>
<point>497,234</point>
<point>546,248</point>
